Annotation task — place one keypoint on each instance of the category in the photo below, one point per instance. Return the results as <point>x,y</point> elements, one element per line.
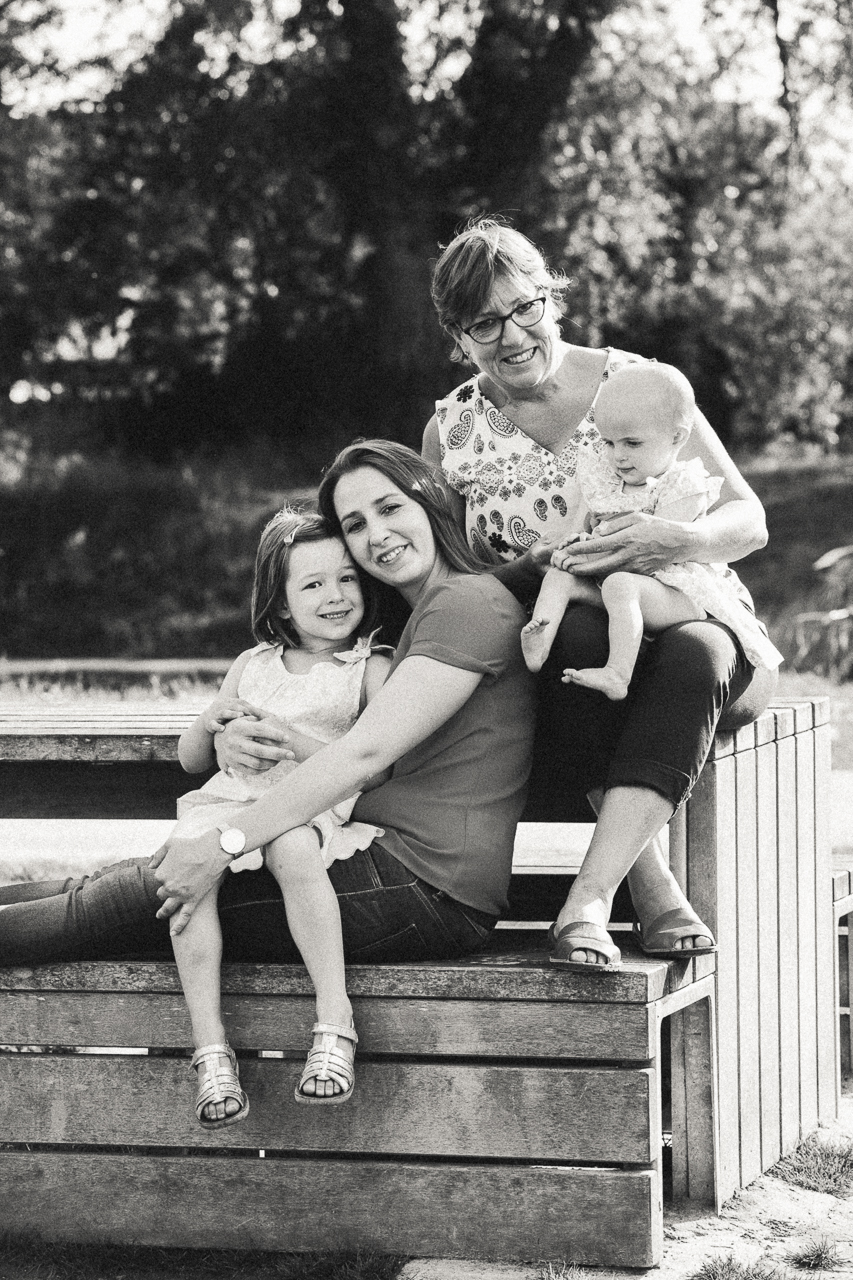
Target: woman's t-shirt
<point>451,805</point>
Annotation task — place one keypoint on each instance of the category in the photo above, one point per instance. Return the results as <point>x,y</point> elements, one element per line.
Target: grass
<point>817,1255</point>
<point>563,1271</point>
<point>23,1258</point>
<point>819,1166</point>
<point>726,1268</point>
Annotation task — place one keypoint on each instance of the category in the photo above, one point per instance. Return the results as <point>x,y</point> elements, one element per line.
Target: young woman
<point>453,722</point>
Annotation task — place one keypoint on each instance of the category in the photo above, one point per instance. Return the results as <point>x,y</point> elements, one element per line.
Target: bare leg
<point>634,604</point>
<point>630,817</point>
<point>314,920</point>
<point>198,954</point>
<point>558,590</point>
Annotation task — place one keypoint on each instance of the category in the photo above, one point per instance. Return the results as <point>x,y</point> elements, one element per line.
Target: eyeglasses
<point>525,315</point>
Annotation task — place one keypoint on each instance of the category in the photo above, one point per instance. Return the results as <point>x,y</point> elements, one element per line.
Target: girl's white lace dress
<point>713,587</point>
<point>323,703</point>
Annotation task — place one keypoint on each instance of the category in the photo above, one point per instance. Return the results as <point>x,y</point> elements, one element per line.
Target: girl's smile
<point>322,593</point>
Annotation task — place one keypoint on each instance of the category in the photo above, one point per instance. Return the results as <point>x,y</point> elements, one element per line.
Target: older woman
<point>454,719</point>
<point>507,441</point>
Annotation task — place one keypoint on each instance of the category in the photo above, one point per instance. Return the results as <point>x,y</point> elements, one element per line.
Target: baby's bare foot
<point>534,644</point>
<point>606,679</point>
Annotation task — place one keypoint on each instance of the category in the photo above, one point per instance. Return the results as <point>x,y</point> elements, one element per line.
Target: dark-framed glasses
<point>525,315</point>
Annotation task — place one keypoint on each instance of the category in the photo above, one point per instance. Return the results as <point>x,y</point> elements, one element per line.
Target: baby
<point>644,415</point>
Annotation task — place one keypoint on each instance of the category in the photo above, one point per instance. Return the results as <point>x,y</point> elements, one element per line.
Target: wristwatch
<point>231,840</point>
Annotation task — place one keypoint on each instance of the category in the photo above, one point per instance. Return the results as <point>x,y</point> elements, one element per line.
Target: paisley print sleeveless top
<point>515,490</point>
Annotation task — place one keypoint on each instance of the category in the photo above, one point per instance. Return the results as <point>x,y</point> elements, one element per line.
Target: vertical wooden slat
<point>849,962</point>
<point>678,1074</point>
<point>712,878</point>
<point>768,955</point>
<point>806,911</point>
<point>828,1063</point>
<point>694,1111</point>
<point>749,1044</point>
<point>789,1002</point>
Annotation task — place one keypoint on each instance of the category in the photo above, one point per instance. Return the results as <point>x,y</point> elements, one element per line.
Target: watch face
<point>232,841</point>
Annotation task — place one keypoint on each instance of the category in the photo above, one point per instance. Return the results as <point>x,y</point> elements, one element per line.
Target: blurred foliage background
<point>218,218</point>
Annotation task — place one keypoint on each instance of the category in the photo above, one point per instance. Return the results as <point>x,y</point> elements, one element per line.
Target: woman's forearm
<point>732,531</point>
<point>330,775</point>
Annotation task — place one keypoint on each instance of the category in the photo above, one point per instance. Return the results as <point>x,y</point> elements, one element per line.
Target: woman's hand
<point>257,743</point>
<point>636,542</point>
<point>223,710</point>
<point>187,871</point>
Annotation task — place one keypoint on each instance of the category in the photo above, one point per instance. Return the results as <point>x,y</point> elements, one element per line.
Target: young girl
<point>311,669</point>
<point>644,415</point>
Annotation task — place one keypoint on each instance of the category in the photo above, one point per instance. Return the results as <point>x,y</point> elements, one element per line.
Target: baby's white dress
<point>713,587</point>
<point>323,703</point>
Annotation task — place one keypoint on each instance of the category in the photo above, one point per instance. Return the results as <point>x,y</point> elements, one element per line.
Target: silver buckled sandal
<point>218,1084</point>
<point>327,1062</point>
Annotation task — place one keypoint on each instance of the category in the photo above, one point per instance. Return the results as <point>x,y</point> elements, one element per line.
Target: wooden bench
<point>503,1109</point>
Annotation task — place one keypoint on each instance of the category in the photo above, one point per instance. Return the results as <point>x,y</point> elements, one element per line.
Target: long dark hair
<point>281,534</point>
<point>412,476</point>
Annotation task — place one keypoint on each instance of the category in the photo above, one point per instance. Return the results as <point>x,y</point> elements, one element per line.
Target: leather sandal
<point>580,935</point>
<point>327,1062</point>
<point>670,927</point>
<point>218,1084</point>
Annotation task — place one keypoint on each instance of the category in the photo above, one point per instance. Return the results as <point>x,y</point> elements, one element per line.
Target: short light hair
<point>464,275</point>
<point>661,385</point>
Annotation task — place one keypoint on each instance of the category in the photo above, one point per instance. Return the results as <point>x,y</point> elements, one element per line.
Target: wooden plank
<point>421,1028</point>
<point>701,817</point>
<point>599,1114</point>
<point>806,940</point>
<point>516,976</point>
<point>768,955</point>
<point>749,1039</point>
<point>744,738</point>
<point>849,974</point>
<point>826,950</point>
<point>694,1141</point>
<point>785,723</point>
<point>594,1216</point>
<point>728,1009</point>
<point>789,984</point>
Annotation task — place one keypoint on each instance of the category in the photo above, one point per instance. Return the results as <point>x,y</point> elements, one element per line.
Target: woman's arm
<point>260,743</point>
<point>642,543</point>
<point>421,696</point>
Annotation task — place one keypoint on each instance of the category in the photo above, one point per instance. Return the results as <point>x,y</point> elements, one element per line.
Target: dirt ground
<point>765,1223</point>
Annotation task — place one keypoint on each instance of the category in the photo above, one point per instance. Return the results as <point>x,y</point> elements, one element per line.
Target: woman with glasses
<point>507,443</point>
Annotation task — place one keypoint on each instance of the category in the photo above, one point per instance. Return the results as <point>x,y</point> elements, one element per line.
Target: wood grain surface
<point>595,1216</point>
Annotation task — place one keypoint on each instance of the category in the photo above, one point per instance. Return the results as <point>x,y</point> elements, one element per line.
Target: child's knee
<point>295,853</point>
<point>619,586</point>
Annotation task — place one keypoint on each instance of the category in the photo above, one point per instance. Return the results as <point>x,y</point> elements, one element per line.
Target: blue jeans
<point>387,914</point>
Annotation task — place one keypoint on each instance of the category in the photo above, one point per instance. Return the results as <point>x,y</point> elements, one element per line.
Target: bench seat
<point>503,1109</point>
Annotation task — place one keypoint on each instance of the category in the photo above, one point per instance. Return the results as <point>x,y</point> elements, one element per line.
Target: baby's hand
<point>224,709</point>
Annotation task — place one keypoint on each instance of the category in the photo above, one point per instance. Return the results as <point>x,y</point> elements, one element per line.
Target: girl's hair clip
<point>288,538</point>
<point>417,486</point>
